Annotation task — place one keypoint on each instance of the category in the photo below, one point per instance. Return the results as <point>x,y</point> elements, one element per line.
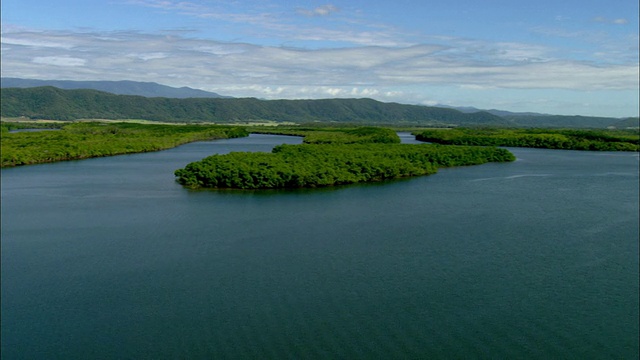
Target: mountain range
<point>125,87</point>
<point>48,102</point>
<point>70,100</point>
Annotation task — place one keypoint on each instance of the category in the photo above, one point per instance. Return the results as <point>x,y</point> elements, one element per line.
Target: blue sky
<point>562,57</point>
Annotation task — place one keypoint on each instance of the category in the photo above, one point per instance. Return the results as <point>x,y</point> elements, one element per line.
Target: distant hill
<point>561,121</point>
<point>628,123</point>
<point>160,102</point>
<point>471,109</point>
<point>540,120</point>
<point>147,89</point>
<point>54,103</point>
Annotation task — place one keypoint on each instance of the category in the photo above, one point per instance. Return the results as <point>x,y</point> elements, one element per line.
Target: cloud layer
<point>211,64</point>
<point>326,51</point>
<point>323,10</point>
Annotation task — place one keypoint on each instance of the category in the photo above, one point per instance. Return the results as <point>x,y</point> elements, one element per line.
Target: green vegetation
<point>568,121</point>
<point>295,166</point>
<point>21,125</point>
<point>52,103</point>
<point>628,123</point>
<point>337,135</point>
<point>332,157</point>
<point>57,104</point>
<point>598,140</point>
<point>353,136</point>
<point>92,139</point>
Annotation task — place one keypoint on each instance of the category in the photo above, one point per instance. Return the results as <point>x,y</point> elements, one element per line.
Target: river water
<point>110,258</point>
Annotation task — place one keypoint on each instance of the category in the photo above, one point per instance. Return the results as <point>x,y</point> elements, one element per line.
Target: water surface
<point>111,258</point>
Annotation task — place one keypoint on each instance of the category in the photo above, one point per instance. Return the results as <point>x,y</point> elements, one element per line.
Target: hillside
<point>540,120</point>
<point>59,104</point>
<point>147,89</point>
<point>628,123</point>
<point>557,121</point>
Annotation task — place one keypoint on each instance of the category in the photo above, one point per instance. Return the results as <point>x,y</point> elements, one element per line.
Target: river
<point>110,258</point>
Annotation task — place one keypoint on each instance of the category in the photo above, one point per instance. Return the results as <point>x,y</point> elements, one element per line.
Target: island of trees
<point>567,139</point>
<point>329,155</point>
<point>330,158</point>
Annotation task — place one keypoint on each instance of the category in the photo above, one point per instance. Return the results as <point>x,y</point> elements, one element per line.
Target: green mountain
<point>125,87</point>
<point>58,104</point>
<point>539,120</point>
<point>559,121</point>
<point>628,123</point>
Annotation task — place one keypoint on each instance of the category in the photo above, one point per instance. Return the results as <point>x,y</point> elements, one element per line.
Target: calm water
<point>111,259</point>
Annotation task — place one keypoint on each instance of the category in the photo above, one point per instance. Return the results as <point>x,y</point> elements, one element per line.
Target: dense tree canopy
<point>85,140</point>
<point>337,135</point>
<point>600,140</point>
<point>314,165</point>
<point>57,104</point>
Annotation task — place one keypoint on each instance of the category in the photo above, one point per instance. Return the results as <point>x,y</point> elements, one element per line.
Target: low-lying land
<point>329,156</point>
<point>337,135</point>
<point>336,157</point>
<point>595,140</point>
<point>296,166</point>
<point>93,139</point>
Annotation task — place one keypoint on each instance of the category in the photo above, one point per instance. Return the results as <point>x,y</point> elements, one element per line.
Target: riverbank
<point>562,139</point>
<point>84,140</point>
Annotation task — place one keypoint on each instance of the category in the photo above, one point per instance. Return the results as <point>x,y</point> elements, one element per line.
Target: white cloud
<point>602,19</point>
<point>265,91</point>
<point>323,10</point>
<point>148,56</point>
<point>240,69</point>
<point>276,22</point>
<point>59,61</point>
<point>46,43</point>
<point>464,63</point>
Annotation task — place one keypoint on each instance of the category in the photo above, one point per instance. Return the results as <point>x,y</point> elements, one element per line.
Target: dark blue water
<point>110,258</point>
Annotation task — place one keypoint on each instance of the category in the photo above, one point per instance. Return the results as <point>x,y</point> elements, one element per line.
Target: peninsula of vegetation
<point>73,141</point>
<point>330,158</point>
<point>594,140</point>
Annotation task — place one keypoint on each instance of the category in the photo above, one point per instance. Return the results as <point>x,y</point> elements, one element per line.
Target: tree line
<point>336,134</point>
<point>93,139</point>
<point>568,139</point>
<point>317,165</point>
<point>57,104</point>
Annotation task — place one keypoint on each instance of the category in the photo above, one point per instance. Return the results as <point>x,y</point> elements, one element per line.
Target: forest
<point>329,155</point>
<point>56,104</point>
<point>567,139</point>
<point>335,134</point>
<point>376,156</point>
<point>94,139</point>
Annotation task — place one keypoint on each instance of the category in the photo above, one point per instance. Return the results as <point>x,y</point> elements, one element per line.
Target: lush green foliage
<point>337,135</point>
<point>567,121</point>
<point>360,135</point>
<point>85,140</point>
<point>121,87</point>
<point>313,165</point>
<point>9,126</point>
<point>601,140</point>
<point>57,104</point>
<point>628,123</point>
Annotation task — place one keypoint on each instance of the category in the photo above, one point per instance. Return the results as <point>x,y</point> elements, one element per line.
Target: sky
<point>569,57</point>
